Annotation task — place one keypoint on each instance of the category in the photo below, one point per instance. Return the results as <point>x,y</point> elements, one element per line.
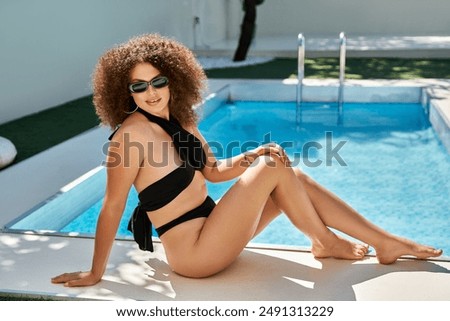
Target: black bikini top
<point>193,156</point>
<point>163,191</point>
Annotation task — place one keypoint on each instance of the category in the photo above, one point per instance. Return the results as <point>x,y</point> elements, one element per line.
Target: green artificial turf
<point>356,68</point>
<point>34,133</point>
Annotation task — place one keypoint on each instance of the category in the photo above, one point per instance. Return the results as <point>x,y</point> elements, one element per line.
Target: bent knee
<point>302,176</point>
<point>268,166</point>
<point>271,163</point>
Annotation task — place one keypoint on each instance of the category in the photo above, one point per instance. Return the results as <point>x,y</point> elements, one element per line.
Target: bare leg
<point>355,251</point>
<point>237,215</point>
<point>339,215</point>
<point>324,246</point>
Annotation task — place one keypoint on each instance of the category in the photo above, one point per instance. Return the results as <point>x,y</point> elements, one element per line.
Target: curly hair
<point>110,78</point>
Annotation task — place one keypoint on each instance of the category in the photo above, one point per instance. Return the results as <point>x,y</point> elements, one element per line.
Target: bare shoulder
<point>134,129</point>
<point>128,147</point>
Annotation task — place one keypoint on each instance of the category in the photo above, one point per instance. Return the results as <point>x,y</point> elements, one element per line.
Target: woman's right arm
<point>122,165</point>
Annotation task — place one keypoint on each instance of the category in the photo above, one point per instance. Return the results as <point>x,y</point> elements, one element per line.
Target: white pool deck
<point>432,46</point>
<point>28,261</point>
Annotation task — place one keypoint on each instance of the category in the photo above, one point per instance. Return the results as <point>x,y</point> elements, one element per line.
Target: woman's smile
<point>153,101</point>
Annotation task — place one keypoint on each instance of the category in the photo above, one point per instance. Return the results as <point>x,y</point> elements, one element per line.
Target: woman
<point>148,86</point>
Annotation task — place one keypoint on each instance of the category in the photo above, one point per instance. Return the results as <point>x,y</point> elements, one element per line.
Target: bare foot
<point>395,247</point>
<point>339,248</point>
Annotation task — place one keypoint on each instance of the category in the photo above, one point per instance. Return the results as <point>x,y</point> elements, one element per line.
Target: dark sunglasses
<point>141,86</point>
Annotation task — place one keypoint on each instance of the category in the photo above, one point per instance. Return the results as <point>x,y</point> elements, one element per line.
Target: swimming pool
<point>390,166</point>
<point>387,162</point>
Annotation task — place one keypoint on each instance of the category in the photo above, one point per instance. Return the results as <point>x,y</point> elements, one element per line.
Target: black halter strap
<point>187,145</point>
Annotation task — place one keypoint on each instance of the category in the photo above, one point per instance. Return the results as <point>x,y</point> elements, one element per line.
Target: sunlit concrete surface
<point>29,261</point>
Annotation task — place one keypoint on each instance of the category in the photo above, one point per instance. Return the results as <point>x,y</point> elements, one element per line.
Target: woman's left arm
<point>226,169</point>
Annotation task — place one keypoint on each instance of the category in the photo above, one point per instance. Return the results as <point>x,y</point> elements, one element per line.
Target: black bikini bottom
<point>141,227</point>
<point>201,211</point>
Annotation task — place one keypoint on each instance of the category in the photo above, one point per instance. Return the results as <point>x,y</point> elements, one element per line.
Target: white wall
<point>355,17</point>
<point>48,48</point>
<point>212,25</point>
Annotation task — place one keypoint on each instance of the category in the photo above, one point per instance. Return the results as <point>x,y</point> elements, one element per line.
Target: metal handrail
<point>300,75</point>
<point>342,52</point>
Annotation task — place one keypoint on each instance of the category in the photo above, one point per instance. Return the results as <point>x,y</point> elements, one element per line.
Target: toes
<point>360,250</point>
<point>434,252</point>
<point>360,254</point>
<point>426,251</point>
<point>365,248</point>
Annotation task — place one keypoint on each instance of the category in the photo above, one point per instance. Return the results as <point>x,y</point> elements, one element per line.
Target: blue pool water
<point>383,159</point>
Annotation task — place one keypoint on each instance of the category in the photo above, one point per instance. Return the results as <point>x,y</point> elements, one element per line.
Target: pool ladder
<point>301,75</point>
